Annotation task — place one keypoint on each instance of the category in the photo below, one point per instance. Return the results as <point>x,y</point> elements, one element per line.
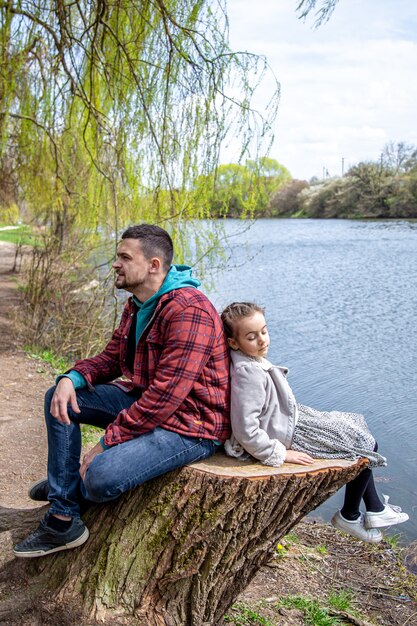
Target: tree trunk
<point>179,549</point>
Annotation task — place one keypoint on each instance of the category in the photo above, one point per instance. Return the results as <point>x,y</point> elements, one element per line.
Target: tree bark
<point>178,550</point>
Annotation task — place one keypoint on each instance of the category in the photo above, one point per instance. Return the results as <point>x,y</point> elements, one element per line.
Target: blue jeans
<point>117,469</point>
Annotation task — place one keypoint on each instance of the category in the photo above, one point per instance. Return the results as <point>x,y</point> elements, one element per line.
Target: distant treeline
<point>386,188</point>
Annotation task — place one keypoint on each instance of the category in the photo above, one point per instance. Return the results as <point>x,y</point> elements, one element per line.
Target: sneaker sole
<point>32,489</point>
<point>376,539</point>
<point>68,546</point>
<point>347,531</point>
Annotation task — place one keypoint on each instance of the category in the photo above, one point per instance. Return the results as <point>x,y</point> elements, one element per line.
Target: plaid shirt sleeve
<point>189,339</point>
<point>105,367</point>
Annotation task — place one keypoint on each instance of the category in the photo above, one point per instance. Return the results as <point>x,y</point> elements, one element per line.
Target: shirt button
<point>125,336</point>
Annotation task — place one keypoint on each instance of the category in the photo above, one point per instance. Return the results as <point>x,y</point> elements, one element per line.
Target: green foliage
<point>9,214</point>
<point>394,541</point>
<point>111,109</point>
<point>286,544</point>
<point>19,235</point>
<point>110,113</point>
<point>290,539</point>
<point>314,613</point>
<point>90,435</point>
<point>58,363</point>
<point>341,600</point>
<point>243,615</point>
<point>243,191</point>
<point>386,188</point>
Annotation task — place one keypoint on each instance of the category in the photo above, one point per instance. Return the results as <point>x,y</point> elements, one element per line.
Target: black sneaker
<point>46,540</point>
<point>39,491</point>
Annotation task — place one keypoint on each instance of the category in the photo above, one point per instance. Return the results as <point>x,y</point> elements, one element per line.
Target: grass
<point>244,615</point>
<point>90,434</point>
<point>23,234</point>
<point>394,541</point>
<point>286,543</point>
<point>58,363</point>
<point>341,600</point>
<point>314,613</point>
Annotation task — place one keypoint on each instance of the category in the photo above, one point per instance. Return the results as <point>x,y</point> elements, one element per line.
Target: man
<point>172,410</point>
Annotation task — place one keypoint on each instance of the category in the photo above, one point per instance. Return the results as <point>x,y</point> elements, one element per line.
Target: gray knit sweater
<point>263,410</point>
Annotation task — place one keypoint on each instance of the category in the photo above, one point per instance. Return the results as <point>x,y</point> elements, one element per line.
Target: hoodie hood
<point>179,276</point>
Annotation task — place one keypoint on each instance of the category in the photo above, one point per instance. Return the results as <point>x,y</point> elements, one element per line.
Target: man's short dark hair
<point>154,241</point>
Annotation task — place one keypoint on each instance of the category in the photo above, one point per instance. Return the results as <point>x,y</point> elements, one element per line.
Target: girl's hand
<point>301,458</point>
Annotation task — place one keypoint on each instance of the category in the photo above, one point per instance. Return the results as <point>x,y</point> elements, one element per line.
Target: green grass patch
<point>58,363</point>
<point>285,544</point>
<point>20,235</point>
<point>243,615</point>
<point>314,613</point>
<point>90,434</point>
<point>394,541</point>
<point>341,600</point>
<point>290,539</point>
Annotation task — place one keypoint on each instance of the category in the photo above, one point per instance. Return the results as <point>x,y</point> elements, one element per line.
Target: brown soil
<point>24,380</point>
<point>315,562</point>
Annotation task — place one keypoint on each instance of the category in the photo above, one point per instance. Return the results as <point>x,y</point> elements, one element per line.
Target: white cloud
<point>346,88</point>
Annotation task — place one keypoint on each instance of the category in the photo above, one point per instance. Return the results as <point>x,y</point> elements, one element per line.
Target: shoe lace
<point>393,507</point>
<point>34,536</point>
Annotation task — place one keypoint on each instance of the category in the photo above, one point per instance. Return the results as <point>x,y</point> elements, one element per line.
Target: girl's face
<point>251,335</point>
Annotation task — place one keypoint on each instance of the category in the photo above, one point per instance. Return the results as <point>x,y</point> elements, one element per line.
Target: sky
<point>348,87</point>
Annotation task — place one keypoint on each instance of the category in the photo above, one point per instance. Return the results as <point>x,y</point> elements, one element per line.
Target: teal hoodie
<point>179,276</point>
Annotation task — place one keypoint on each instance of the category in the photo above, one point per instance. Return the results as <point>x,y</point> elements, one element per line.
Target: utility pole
<point>343,165</point>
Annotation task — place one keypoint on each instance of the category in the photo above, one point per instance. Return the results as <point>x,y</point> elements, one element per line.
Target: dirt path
<point>23,384</point>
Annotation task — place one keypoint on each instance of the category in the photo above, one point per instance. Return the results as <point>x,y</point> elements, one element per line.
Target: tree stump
<point>178,550</point>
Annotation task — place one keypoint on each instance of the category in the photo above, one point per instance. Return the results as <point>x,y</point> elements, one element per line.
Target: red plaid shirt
<point>181,366</point>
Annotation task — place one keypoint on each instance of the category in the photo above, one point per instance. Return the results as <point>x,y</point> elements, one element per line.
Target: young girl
<point>268,424</point>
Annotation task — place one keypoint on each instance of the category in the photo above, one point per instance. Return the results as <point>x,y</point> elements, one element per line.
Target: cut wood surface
<point>178,550</point>
<point>223,465</point>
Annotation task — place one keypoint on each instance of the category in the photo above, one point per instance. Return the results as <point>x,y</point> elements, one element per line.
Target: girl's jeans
<point>117,469</point>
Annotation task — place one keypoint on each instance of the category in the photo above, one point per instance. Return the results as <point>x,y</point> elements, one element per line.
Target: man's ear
<point>232,343</point>
<point>155,265</point>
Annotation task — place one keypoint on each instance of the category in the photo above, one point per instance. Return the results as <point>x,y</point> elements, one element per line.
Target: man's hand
<point>88,458</point>
<point>64,395</point>
<point>301,458</point>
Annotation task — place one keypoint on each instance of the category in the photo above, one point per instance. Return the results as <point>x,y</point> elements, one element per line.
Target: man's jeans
<point>117,469</point>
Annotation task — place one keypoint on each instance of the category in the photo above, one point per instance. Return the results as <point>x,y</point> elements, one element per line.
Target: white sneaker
<point>356,528</point>
<point>390,516</point>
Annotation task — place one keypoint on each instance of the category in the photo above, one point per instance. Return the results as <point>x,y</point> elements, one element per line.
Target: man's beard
<point>126,285</point>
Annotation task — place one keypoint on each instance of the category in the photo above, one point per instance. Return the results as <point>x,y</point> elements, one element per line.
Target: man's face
<point>131,267</point>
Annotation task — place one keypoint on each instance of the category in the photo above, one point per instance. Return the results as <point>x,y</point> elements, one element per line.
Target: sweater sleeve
<point>248,395</point>
<point>75,377</point>
<point>278,456</point>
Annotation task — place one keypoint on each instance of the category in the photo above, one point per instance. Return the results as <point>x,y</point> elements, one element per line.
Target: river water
<point>341,307</point>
